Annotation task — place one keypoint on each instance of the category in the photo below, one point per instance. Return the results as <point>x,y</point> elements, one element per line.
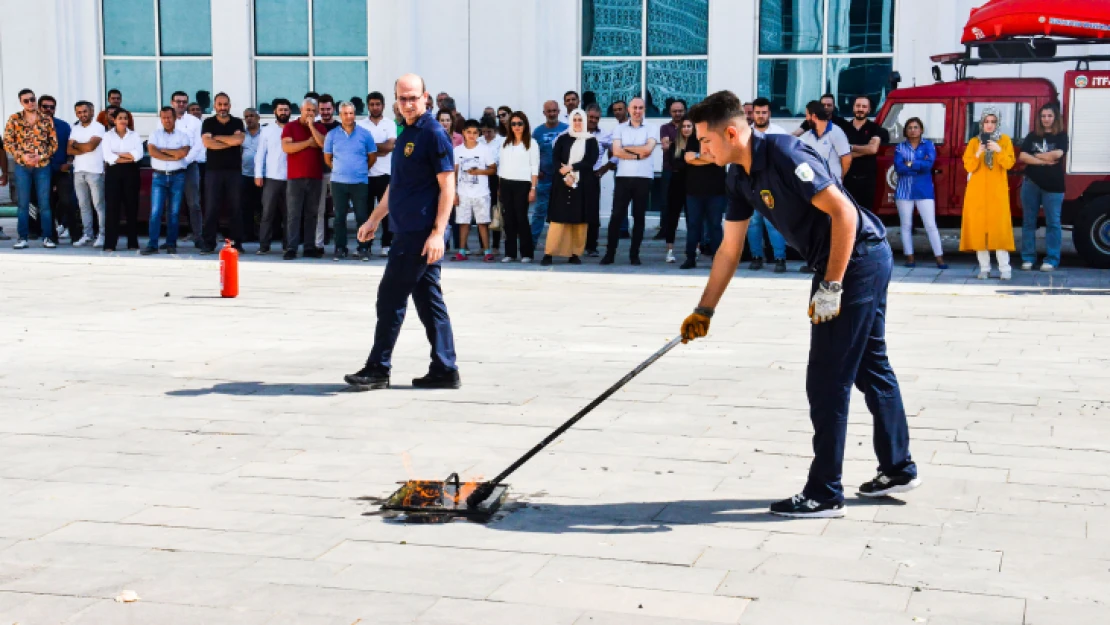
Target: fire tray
<point>446,498</point>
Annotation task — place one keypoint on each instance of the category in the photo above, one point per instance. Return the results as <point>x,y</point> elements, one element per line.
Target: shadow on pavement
<point>1055,292</point>
<point>263,388</point>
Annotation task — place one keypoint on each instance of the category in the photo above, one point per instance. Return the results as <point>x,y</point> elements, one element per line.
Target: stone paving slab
<point>204,453</point>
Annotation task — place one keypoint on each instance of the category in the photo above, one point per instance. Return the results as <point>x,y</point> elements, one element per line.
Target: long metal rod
<point>581,413</point>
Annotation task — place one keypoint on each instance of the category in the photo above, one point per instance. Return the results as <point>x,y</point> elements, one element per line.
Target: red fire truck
<point>1012,32</point>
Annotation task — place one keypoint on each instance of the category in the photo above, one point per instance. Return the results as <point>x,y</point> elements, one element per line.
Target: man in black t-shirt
<point>223,135</point>
<point>865,136</point>
<point>1043,153</point>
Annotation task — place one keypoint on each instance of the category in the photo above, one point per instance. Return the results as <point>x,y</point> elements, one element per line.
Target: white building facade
<point>482,52</point>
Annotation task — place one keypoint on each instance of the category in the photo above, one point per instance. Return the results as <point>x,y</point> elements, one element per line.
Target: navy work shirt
<point>785,176</point>
<point>422,151</point>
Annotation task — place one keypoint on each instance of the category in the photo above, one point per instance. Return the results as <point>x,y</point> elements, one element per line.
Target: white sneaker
<point>507,259</point>
<point>99,241</point>
<point>82,242</point>
<point>670,256</point>
<point>984,274</point>
<point>21,244</point>
<point>384,252</point>
<point>1005,274</point>
<point>1027,266</point>
<point>48,244</point>
<point>63,233</point>
<point>526,260</point>
<point>1047,267</point>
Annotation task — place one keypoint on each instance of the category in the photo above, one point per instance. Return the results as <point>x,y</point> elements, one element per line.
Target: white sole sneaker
<point>1047,267</point>
<point>507,259</point>
<point>893,490</point>
<point>837,513</point>
<point>1027,266</point>
<point>983,275</point>
<point>1005,275</point>
<point>526,260</point>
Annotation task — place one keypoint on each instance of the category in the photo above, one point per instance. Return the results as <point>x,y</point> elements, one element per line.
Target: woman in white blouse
<point>122,149</point>
<point>518,168</point>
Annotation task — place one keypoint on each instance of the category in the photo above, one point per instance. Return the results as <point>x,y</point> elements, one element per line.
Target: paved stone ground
<point>203,452</point>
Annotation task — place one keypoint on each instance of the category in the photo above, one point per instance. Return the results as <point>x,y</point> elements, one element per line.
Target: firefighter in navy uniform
<point>789,184</point>
<point>418,202</point>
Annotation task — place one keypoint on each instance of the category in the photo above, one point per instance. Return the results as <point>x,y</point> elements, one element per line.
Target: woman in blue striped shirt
<point>913,161</point>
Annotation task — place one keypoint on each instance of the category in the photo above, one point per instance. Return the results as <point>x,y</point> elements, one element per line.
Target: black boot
<point>438,379</point>
<point>369,378</point>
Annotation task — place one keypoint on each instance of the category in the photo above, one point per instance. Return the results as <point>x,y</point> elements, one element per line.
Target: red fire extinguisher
<point>229,270</point>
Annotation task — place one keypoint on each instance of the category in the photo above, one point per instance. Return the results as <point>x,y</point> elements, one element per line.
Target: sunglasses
<point>517,124</point>
<point>48,107</point>
<point>28,101</point>
<point>502,114</point>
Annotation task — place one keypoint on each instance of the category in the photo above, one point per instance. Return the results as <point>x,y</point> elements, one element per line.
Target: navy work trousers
<point>851,349</point>
<point>408,273</point>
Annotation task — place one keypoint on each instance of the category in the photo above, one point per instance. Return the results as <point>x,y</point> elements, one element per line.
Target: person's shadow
<point>264,389</point>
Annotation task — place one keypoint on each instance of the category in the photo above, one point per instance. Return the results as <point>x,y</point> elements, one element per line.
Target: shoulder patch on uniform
<point>804,172</point>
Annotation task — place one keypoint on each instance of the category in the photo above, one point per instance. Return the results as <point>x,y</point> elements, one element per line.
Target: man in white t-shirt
<point>473,166</point>
<point>384,132</point>
<point>88,170</point>
<point>633,144</point>
<point>190,125</point>
<point>828,139</point>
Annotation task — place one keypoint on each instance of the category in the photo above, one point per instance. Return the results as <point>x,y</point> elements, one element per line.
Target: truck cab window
<point>932,114</point>
<point>1014,123</point>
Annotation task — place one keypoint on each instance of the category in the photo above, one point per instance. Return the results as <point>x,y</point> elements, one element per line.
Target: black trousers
<point>862,190</point>
<point>273,211</point>
<point>493,187</point>
<point>676,202</point>
<point>514,214</point>
<point>121,193</point>
<point>222,187</point>
<point>63,202</point>
<point>378,185</point>
<point>593,215</point>
<point>635,191</point>
<point>252,208</point>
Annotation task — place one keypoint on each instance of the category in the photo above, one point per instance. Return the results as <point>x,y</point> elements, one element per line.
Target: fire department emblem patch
<point>768,199</point>
<point>409,147</point>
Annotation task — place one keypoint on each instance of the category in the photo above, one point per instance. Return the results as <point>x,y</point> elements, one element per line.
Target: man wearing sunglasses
<point>30,139</point>
<point>63,197</point>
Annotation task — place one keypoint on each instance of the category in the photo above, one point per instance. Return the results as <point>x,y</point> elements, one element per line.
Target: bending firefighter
<point>788,183</point>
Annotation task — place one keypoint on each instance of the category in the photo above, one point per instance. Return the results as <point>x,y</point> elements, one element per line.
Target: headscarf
<point>995,136</point>
<point>578,149</point>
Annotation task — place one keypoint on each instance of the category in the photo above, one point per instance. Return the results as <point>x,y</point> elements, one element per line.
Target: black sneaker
<point>689,264</point>
<point>635,259</point>
<point>340,254</point>
<point>314,252</point>
<point>607,259</point>
<point>593,253</point>
<point>262,251</point>
<point>147,251</point>
<point>289,255</point>
<point>449,379</point>
<point>801,507</point>
<point>757,264</point>
<point>546,260</point>
<point>574,260</point>
<point>364,255</point>
<point>807,269</point>
<point>884,485</point>
<point>205,251</point>
<point>368,379</point>
<point>171,249</point>
<point>780,266</point>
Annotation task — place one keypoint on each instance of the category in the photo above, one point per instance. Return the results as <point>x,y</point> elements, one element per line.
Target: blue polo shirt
<point>60,157</point>
<point>349,153</point>
<point>422,151</point>
<point>786,174</point>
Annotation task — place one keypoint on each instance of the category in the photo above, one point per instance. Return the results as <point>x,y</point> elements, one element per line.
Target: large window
<point>152,48</point>
<point>810,47</point>
<point>310,45</point>
<point>657,49</point>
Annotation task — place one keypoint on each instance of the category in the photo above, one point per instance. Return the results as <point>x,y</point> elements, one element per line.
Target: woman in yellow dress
<point>987,225</point>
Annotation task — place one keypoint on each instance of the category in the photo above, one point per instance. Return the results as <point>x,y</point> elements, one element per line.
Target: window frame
<point>158,58</point>
<point>824,56</point>
<point>311,58</point>
<point>643,59</point>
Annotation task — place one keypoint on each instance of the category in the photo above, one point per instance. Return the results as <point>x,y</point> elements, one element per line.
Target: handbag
<point>496,222</point>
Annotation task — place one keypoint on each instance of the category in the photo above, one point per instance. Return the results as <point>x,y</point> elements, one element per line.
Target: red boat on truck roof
<point>1013,32</point>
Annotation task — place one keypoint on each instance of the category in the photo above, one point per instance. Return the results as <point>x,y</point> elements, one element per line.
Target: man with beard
<point>270,174</point>
<point>865,137</point>
<point>223,135</point>
<point>603,166</point>
<point>571,102</point>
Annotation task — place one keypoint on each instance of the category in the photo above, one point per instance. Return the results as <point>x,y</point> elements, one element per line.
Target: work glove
<point>825,305</point>
<point>696,325</point>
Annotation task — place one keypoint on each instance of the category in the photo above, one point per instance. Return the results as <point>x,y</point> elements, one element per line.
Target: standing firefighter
<point>418,202</point>
<point>791,186</point>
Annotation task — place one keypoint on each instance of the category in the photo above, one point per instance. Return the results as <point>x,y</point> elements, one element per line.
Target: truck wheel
<point>1091,233</point>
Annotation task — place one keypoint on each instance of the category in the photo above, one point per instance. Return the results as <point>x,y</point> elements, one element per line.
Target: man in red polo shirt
<point>302,142</point>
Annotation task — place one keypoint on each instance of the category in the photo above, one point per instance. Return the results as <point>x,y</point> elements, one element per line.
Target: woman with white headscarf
<point>987,225</point>
<point>575,151</point>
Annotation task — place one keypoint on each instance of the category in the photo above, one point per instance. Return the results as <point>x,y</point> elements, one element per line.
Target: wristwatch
<point>638,157</point>
<point>834,287</point>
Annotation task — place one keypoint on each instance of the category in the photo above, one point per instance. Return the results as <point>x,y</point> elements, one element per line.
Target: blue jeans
<point>1032,198</point>
<point>39,178</point>
<point>851,350</point>
<point>539,209</point>
<point>165,187</point>
<point>704,214</point>
<point>755,237</point>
